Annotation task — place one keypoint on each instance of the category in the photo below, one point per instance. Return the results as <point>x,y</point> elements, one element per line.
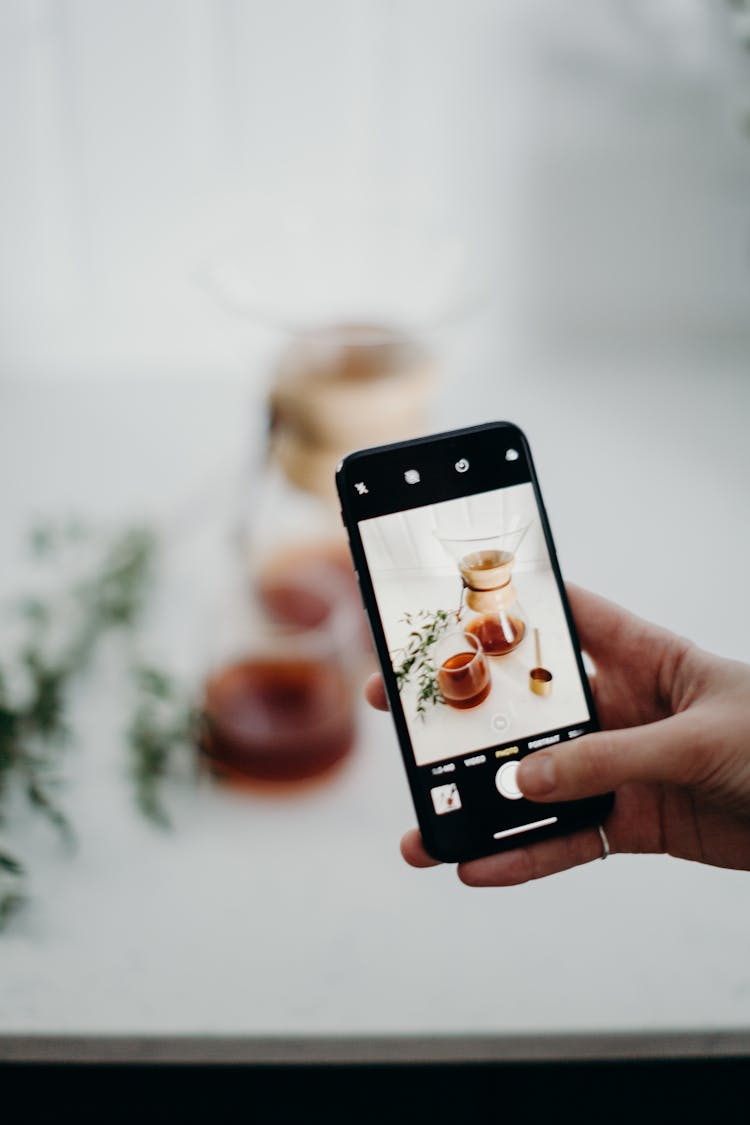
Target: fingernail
<point>536,775</point>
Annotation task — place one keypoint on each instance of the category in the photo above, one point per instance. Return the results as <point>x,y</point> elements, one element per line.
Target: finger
<point>508,869</point>
<point>613,637</point>
<point>413,851</point>
<point>605,629</point>
<point>600,623</point>
<point>593,607</point>
<point>375,693</point>
<point>670,750</point>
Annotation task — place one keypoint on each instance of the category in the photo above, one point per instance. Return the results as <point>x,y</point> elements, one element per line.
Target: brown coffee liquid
<point>291,602</point>
<point>486,560</point>
<point>464,680</point>
<point>277,720</point>
<point>489,631</point>
<point>302,585</point>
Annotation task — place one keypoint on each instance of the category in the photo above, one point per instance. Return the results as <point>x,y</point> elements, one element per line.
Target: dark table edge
<point>408,1049</point>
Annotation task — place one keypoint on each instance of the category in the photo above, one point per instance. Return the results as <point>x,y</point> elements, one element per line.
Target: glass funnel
<point>489,607</point>
<point>485,561</point>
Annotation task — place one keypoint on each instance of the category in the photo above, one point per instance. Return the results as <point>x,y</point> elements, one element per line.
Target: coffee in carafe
<point>488,591</point>
<point>462,673</point>
<point>277,718</point>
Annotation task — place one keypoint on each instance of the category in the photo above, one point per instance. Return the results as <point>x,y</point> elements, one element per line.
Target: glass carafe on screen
<point>489,608</point>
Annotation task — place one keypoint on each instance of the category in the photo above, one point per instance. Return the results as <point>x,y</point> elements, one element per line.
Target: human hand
<point>675,749</point>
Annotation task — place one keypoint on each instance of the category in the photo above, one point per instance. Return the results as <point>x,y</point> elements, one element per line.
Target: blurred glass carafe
<point>290,636</point>
<point>338,308</point>
<point>333,389</point>
<point>279,707</point>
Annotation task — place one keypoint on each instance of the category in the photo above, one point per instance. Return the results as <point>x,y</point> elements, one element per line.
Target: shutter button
<point>505,780</point>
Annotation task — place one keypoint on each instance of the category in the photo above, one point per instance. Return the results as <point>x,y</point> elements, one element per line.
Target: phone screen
<point>469,614</point>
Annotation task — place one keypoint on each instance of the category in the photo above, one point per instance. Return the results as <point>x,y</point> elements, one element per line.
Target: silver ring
<point>604,840</point>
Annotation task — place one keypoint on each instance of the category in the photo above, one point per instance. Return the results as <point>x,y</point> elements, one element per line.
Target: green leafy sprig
<point>12,886</point>
<point>414,661</point>
<point>162,737</point>
<point>61,631</point>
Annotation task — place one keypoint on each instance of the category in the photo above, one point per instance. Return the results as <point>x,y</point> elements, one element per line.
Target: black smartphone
<point>471,624</point>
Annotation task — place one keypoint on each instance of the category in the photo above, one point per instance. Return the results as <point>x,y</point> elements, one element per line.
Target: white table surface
<point>297,918</point>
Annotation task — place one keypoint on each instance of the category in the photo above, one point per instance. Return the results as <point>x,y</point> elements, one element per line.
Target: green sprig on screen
<point>414,661</point>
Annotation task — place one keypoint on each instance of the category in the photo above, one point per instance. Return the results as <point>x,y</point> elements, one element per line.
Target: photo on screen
<point>474,623</point>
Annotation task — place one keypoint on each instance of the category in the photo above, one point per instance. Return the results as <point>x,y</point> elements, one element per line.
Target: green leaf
<point>10,901</point>
<point>35,611</point>
<point>10,864</point>
<point>42,540</point>
<point>154,682</point>
<point>102,596</point>
<point>417,662</point>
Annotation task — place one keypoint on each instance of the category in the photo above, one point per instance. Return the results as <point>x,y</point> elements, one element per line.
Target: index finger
<point>611,634</point>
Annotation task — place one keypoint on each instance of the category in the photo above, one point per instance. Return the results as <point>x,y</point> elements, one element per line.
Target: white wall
<point>589,155</point>
<point>410,541</point>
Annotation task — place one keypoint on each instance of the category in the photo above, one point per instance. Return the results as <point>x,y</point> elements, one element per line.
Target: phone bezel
<point>577,814</point>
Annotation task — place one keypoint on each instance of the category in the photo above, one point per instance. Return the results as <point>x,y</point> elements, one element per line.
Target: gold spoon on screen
<point>540,679</point>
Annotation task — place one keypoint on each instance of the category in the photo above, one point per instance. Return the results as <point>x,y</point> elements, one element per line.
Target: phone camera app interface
<point>477,635</point>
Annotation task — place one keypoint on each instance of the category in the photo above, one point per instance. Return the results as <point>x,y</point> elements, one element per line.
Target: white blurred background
<point>590,157</point>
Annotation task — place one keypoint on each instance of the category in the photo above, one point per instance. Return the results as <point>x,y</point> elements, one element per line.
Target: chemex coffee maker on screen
<point>489,607</point>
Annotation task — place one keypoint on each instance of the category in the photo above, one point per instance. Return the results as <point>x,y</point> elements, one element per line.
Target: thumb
<point>665,751</point>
